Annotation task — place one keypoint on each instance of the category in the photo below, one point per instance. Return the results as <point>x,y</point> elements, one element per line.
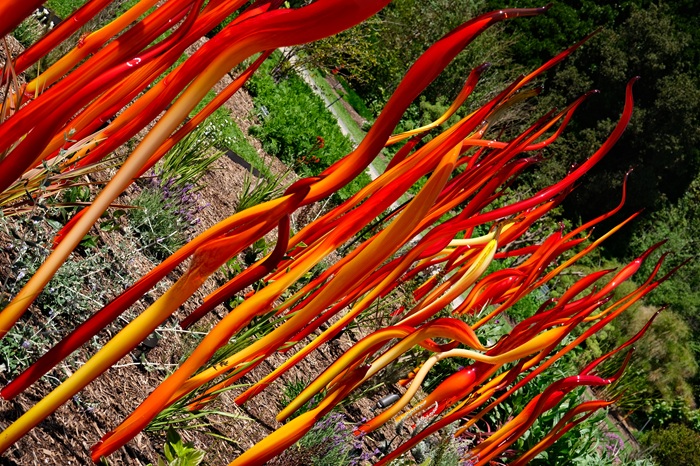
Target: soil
<point>12,47</point>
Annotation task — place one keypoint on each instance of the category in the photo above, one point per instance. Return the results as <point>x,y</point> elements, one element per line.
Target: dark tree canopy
<point>658,41</point>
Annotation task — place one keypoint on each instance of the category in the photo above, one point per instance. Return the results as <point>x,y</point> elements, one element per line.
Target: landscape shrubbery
<point>675,444</point>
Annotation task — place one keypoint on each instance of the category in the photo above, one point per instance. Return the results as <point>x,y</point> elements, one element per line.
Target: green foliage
<point>674,445</point>
<point>293,119</point>
<point>578,442</point>
<point>542,37</point>
<point>63,8</point>
<point>352,52</point>
<point>296,126</point>
<point>180,415</point>
<point>668,360</point>
<point>526,306</point>
<point>29,31</point>
<point>374,55</point>
<point>290,391</point>
<point>606,457</point>
<point>71,197</point>
<point>178,453</point>
<point>189,160</point>
<point>662,367</point>
<point>678,224</point>
<point>664,413</point>
<point>661,142</point>
<point>240,145</point>
<point>354,186</point>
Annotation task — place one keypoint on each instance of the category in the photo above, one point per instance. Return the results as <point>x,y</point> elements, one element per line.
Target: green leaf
<point>108,225</point>
<point>89,241</point>
<point>55,224</point>
<point>178,453</point>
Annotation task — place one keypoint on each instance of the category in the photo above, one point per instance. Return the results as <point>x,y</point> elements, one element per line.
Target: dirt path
<point>330,104</point>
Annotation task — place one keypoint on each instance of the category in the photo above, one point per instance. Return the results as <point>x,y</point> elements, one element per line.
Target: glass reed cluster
<point>103,92</point>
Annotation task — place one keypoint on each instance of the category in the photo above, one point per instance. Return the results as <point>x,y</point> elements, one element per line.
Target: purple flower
<point>616,445</point>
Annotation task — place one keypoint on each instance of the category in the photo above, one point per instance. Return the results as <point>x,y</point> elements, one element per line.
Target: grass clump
<point>189,160</point>
<point>29,31</point>
<point>257,192</point>
<point>290,391</point>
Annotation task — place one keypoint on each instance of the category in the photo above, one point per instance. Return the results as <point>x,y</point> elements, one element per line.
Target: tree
<point>661,143</point>
<point>374,55</point>
<point>679,225</point>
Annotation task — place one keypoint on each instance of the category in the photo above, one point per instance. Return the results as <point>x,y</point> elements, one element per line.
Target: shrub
<point>675,445</point>
<point>81,284</point>
<point>164,218</point>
